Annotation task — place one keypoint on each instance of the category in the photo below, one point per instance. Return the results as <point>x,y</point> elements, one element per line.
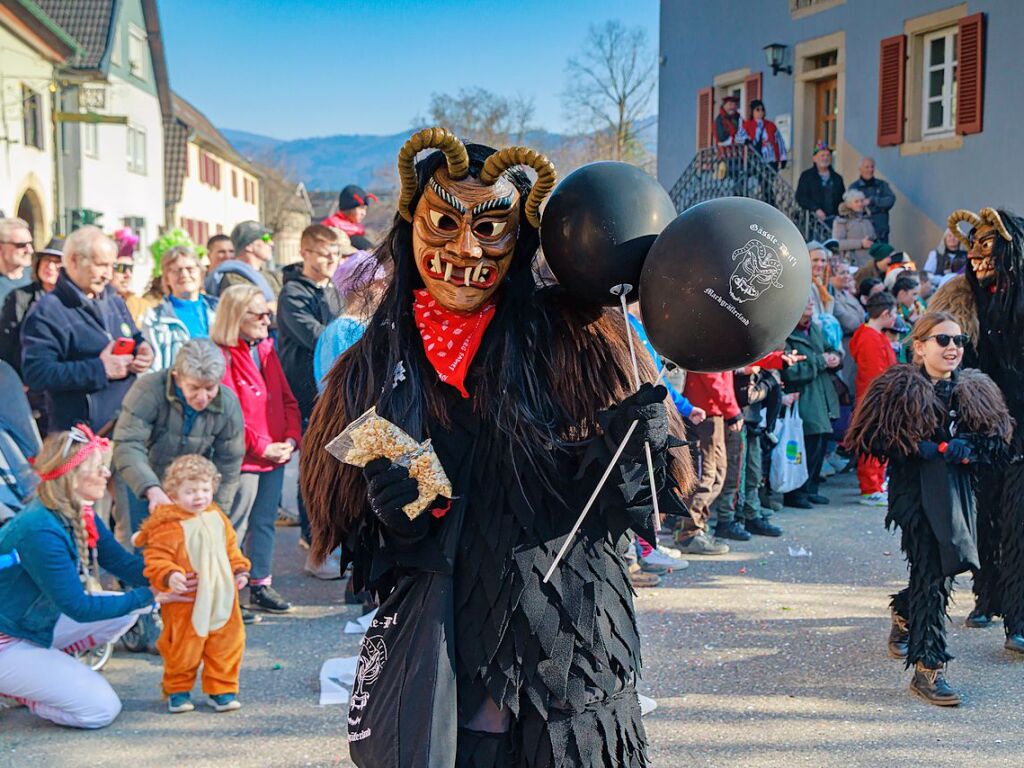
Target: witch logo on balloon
<point>758,270</point>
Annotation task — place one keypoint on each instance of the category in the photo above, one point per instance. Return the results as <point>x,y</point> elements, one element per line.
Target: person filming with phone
<point>80,344</point>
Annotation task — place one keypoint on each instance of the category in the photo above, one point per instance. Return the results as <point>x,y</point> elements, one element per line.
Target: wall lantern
<point>775,53</point>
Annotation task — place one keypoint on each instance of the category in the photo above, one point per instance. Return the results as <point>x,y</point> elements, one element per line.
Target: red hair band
<point>90,443</point>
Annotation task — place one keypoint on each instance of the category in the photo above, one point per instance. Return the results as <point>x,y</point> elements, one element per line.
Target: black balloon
<point>724,284</point>
<point>598,226</point>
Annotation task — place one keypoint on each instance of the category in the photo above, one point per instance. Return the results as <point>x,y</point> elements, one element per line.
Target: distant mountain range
<point>331,162</point>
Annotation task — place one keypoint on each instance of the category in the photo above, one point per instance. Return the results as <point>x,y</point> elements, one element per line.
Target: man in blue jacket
<point>71,336</point>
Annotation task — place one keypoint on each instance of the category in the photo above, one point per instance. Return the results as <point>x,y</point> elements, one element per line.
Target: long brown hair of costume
<point>587,368</point>
<point>900,408</point>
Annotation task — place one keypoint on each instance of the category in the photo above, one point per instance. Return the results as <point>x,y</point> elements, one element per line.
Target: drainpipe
<point>58,154</point>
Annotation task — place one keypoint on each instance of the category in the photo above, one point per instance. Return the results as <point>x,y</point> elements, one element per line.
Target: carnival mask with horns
<point>464,227</point>
<point>986,226</point>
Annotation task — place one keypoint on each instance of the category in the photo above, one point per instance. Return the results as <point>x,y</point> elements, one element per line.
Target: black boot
<point>899,637</point>
<point>931,685</point>
<point>978,619</point>
<point>1014,642</point>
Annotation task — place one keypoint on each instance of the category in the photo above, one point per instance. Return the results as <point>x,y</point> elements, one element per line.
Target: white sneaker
<point>665,549</point>
<point>328,570</point>
<point>659,557</point>
<point>837,462</point>
<point>875,499</point>
<point>827,470</point>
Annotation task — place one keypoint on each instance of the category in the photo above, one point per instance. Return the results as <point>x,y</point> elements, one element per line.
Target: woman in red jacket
<point>272,430</point>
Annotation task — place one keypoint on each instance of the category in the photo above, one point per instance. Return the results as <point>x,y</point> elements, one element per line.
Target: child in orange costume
<point>192,537</point>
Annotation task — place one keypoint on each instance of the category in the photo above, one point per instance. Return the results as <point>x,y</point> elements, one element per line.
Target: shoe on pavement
<point>797,501</point>
<point>876,499</point>
<point>817,498</point>
<point>180,702</point>
<point>702,544</point>
<point>639,579</point>
<point>1014,642</point>
<point>772,503</point>
<point>265,598</point>
<point>674,553</point>
<point>649,567</point>
<point>248,617</point>
<point>977,619</point>
<point>285,519</point>
<point>837,463</point>
<point>303,544</point>
<point>899,637</point>
<point>762,526</point>
<point>224,702</point>
<point>732,530</point>
<point>328,570</point>
<point>662,558</point>
<point>931,685</point>
<point>827,471</point>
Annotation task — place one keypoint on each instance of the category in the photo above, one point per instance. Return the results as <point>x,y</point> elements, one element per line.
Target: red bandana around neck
<point>450,340</point>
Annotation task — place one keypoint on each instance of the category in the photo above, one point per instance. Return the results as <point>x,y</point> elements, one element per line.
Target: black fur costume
<point>932,501</point>
<point>524,453</point>
<point>994,316</point>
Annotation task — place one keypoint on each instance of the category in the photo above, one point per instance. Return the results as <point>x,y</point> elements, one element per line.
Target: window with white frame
<point>938,109</point>
<point>115,51</point>
<point>91,139</point>
<point>137,52</point>
<point>136,149</point>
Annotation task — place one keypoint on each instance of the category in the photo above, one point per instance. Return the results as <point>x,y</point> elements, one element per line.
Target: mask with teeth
<point>464,233</point>
<point>982,254</point>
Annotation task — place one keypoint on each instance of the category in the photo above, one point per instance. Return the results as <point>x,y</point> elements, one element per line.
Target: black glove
<point>958,451</point>
<point>647,406</point>
<point>389,488</point>
<point>928,450</point>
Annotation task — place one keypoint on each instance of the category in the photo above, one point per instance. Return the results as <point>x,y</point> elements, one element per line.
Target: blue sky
<point>298,68</point>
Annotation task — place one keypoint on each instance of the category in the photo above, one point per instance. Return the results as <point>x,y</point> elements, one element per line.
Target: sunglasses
<point>943,339</point>
<point>259,315</point>
<point>17,245</point>
<point>123,268</point>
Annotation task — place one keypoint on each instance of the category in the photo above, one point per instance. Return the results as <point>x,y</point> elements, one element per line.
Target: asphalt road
<point>757,659</point>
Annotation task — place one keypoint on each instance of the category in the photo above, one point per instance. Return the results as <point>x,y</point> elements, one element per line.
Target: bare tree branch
<point>611,82</point>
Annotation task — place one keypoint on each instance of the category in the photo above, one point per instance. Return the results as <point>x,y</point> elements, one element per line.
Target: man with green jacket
<point>819,403</point>
<point>173,412</point>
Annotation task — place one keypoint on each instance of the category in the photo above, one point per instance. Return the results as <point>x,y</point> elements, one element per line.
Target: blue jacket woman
<point>48,610</point>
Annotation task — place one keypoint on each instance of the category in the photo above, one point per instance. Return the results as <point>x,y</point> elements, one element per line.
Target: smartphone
<point>123,346</point>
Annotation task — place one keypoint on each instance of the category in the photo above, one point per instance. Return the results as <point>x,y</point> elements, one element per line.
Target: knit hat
<point>246,233</point>
<point>354,196</point>
<point>880,250</point>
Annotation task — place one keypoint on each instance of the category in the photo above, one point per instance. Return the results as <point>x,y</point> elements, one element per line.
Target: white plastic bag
<point>789,457</point>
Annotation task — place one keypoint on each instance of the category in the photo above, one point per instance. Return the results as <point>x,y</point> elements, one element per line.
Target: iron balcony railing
<point>741,171</point>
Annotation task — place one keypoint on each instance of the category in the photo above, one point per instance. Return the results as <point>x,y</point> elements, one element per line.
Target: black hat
<point>53,248</point>
<point>354,196</point>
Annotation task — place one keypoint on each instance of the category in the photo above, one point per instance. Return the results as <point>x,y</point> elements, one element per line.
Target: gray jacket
<point>149,435</point>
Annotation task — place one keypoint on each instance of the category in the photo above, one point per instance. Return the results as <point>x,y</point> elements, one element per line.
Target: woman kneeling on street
<point>52,606</point>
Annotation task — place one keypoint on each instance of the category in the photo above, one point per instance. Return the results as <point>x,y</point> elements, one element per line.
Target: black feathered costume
<point>930,498</point>
<point>988,302</point>
<point>523,452</point>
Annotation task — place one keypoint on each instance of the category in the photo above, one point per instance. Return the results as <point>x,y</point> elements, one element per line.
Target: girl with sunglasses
<point>933,423</point>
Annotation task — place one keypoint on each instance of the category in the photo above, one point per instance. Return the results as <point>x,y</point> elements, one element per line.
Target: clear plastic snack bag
<point>371,436</point>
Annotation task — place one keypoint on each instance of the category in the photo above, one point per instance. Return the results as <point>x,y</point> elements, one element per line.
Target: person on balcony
<point>880,197</point>
<point>853,229</point>
<point>821,188</point>
<point>763,135</point>
<point>727,124</point>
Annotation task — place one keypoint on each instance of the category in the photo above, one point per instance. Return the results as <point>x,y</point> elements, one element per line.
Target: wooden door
<point>826,111</point>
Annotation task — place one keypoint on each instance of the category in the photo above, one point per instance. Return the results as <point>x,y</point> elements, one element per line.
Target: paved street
<point>758,660</point>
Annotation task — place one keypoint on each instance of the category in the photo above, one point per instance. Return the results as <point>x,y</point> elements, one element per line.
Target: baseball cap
<point>247,232</point>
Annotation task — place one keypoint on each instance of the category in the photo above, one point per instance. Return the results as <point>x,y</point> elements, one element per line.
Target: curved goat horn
<point>501,161</point>
<point>429,138</point>
<point>991,216</point>
<point>953,222</point>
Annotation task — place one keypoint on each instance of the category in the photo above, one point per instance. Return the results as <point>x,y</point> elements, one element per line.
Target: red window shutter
<point>892,68</point>
<point>752,87</point>
<point>705,99</point>
<point>970,76</point>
